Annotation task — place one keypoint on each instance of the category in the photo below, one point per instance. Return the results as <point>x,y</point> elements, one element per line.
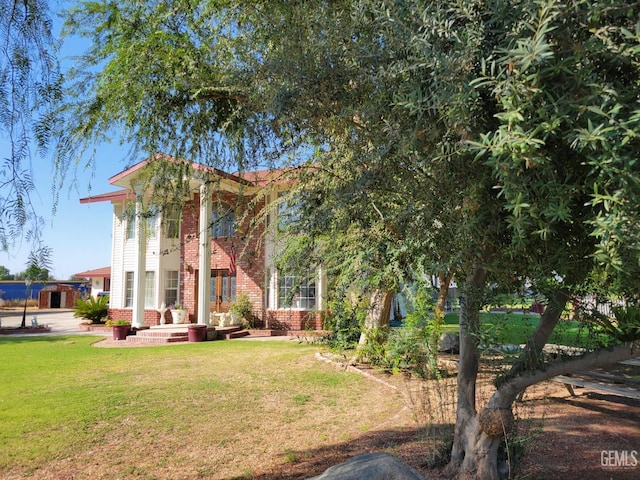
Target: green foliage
<point>39,263</point>
<point>92,308</point>
<point>5,274</point>
<point>29,86</point>
<point>243,308</point>
<point>624,327</point>
<point>345,320</point>
<point>413,346</point>
<point>423,326</point>
<point>114,323</point>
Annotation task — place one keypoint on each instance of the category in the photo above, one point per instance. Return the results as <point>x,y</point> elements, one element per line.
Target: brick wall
<point>249,254</point>
<point>293,320</point>
<point>151,317</point>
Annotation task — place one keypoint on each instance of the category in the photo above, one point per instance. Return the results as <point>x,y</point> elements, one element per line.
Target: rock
<point>371,466</point>
<point>449,342</point>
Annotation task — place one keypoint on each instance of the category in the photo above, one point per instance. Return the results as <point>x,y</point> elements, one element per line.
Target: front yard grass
<point>218,409</point>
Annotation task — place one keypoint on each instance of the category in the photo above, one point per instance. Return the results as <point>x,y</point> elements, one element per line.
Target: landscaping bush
<point>345,322</point>
<point>92,308</point>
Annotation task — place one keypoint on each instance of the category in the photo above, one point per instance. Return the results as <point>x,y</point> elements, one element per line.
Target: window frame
<point>223,221</point>
<point>128,289</point>
<point>169,287</point>
<point>305,298</point>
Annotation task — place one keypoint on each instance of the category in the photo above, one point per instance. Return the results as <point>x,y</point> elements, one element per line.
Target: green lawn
<point>210,409</point>
<point>515,328</point>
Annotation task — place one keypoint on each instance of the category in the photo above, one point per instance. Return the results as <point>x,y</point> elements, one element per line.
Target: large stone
<point>449,343</point>
<point>371,466</point>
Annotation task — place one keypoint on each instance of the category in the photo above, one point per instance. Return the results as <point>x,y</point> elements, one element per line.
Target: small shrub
<point>93,308</point>
<point>242,307</point>
<point>345,322</point>
<point>113,323</point>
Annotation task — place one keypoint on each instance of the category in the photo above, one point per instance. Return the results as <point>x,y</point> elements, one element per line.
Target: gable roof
<point>98,272</point>
<point>123,179</point>
<point>258,178</point>
<point>123,194</point>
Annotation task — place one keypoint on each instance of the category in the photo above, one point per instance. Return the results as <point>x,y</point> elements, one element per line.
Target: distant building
<point>17,290</point>
<point>100,280</point>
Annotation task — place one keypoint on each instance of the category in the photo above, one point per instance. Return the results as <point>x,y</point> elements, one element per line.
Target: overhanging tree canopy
<point>498,138</point>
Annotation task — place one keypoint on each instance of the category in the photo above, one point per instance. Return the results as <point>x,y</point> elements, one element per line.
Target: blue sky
<point>78,235</point>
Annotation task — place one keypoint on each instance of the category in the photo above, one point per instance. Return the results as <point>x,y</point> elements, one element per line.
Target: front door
<point>223,290</point>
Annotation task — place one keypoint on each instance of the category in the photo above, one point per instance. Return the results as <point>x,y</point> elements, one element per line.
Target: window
<point>171,223</point>
<point>150,223</point>
<point>131,227</point>
<point>223,289</point>
<point>296,292</point>
<point>150,290</point>
<point>223,221</point>
<point>128,290</point>
<point>171,287</point>
<point>288,211</point>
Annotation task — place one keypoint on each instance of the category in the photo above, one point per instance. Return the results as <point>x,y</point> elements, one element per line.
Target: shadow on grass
<point>408,444</point>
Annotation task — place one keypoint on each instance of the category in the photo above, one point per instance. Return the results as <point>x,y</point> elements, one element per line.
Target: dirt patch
<point>588,436</point>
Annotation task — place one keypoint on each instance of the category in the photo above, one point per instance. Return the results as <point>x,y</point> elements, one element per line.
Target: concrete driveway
<point>61,321</point>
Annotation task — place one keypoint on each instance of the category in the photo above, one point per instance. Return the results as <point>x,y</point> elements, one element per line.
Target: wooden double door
<point>222,290</point>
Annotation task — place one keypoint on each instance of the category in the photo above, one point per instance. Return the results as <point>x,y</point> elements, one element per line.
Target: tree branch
<point>506,393</point>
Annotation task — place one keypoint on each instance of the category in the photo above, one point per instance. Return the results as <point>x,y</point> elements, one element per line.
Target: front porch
<point>170,334</point>
<point>167,334</point>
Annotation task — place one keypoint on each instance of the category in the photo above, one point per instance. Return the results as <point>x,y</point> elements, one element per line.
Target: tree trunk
<point>531,355</point>
<point>444,279</point>
<point>468,441</point>
<point>378,313</point>
<point>478,435</point>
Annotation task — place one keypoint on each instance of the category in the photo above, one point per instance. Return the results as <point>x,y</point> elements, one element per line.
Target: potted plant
<point>241,310</point>
<point>178,313</point>
<point>120,328</point>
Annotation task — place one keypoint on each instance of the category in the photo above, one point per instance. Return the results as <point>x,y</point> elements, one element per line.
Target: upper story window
<point>151,220</point>
<point>223,221</point>
<point>171,223</point>
<point>288,211</point>
<point>131,227</point>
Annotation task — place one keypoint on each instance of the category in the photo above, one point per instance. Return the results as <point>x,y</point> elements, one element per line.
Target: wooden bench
<point>605,382</point>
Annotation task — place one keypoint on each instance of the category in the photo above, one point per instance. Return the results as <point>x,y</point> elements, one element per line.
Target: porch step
<point>164,334</point>
<point>227,333</point>
<point>161,334</point>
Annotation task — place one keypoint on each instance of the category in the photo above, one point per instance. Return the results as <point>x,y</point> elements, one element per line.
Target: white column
<point>204,256</point>
<point>139,274</point>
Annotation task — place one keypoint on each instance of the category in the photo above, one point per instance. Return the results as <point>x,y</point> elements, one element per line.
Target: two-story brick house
<point>203,257</point>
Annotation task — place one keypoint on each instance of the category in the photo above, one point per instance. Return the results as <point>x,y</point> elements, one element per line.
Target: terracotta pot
<point>120,332</point>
